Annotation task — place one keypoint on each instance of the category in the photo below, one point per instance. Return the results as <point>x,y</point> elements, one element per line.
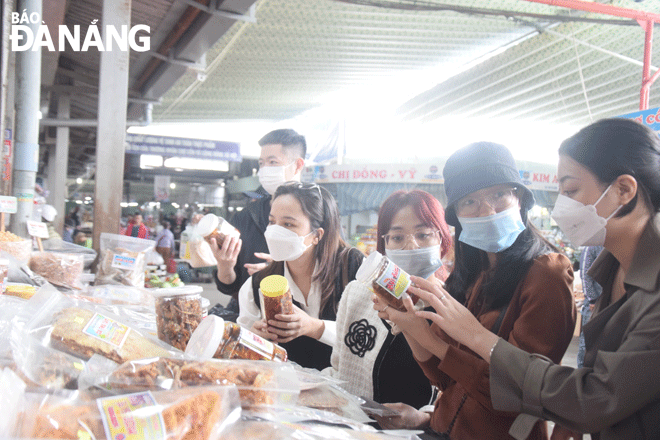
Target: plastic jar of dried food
<point>275,297</point>
<point>179,311</point>
<point>211,226</point>
<point>386,279</point>
<point>220,339</point>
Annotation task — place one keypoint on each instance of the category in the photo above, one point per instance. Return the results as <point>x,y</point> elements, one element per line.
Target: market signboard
<point>169,146</point>
<point>650,118</point>
<point>8,204</point>
<point>534,176</point>
<point>374,173</point>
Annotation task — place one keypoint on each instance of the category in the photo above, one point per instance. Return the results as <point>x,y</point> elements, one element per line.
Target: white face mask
<point>581,223</point>
<point>421,262</point>
<point>283,244</point>
<point>272,177</point>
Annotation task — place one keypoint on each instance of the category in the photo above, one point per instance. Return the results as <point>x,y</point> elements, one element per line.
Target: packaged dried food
<point>216,338</point>
<point>185,414</point>
<point>16,246</point>
<point>122,260</point>
<point>25,291</point>
<point>119,295</point>
<point>62,270</point>
<point>178,313</point>
<point>258,383</point>
<point>64,247</point>
<point>82,329</point>
<point>83,332</point>
<point>44,368</point>
<point>211,226</point>
<point>275,297</point>
<point>385,279</point>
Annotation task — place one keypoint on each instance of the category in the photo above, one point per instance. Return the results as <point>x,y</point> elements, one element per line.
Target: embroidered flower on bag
<point>361,337</point>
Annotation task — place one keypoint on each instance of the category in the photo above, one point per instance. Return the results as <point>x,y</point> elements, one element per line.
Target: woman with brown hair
<point>304,241</point>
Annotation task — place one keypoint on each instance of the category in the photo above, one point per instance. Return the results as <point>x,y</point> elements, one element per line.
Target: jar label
<point>124,417</point>
<point>394,280</point>
<point>256,343</point>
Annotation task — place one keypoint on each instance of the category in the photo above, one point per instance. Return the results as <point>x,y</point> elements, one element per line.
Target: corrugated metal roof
<point>299,52</point>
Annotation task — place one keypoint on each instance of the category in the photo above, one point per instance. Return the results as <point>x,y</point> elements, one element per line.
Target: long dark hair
<point>511,266</point>
<point>610,148</point>
<point>426,208</point>
<point>320,208</point>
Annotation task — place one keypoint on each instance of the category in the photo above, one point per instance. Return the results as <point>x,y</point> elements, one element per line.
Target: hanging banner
<point>534,175</point>
<point>180,147</point>
<point>650,118</point>
<point>408,173</point>
<point>162,188</point>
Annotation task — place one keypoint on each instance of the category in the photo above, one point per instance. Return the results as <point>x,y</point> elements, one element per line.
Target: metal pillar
<point>647,78</point>
<point>111,131</point>
<point>26,161</point>
<point>59,163</point>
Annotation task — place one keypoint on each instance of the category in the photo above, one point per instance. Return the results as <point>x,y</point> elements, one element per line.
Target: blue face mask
<point>493,233</point>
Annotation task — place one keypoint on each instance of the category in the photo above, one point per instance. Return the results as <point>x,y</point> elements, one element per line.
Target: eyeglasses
<point>303,185</point>
<point>499,199</point>
<point>422,239</point>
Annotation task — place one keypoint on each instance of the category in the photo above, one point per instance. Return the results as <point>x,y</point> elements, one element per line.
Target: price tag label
<point>8,204</point>
<point>37,229</point>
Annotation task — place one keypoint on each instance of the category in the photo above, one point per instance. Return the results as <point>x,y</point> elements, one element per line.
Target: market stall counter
<point>101,358</point>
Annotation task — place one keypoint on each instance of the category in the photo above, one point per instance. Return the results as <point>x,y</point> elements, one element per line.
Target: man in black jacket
<point>282,159</point>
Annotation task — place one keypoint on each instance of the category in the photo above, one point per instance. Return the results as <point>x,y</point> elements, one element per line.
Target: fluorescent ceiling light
<point>150,161</point>
<point>196,164</point>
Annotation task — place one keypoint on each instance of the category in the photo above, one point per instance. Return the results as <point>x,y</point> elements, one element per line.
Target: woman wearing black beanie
<point>508,276</point>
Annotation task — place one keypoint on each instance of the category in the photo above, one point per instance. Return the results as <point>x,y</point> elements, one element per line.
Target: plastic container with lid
<point>275,297</point>
<point>179,310</point>
<point>211,226</point>
<point>4,273</point>
<point>220,339</point>
<point>386,279</point>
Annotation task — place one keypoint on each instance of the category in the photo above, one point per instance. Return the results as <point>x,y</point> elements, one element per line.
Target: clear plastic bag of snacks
<point>82,329</point>
<point>59,245</point>
<point>17,247</point>
<point>122,260</point>
<point>62,270</point>
<point>183,414</point>
<point>259,383</point>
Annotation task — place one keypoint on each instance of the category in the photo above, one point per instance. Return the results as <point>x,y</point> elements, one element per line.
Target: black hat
<point>477,166</point>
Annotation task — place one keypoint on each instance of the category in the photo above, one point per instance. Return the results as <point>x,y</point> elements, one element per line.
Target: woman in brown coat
<point>609,181</point>
<point>511,280</point>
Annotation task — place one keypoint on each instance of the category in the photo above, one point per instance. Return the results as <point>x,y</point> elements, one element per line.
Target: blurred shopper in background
<point>510,280</point>
<point>369,355</point>
<point>136,227</point>
<point>304,240</point>
<point>165,242</point>
<point>282,159</point>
